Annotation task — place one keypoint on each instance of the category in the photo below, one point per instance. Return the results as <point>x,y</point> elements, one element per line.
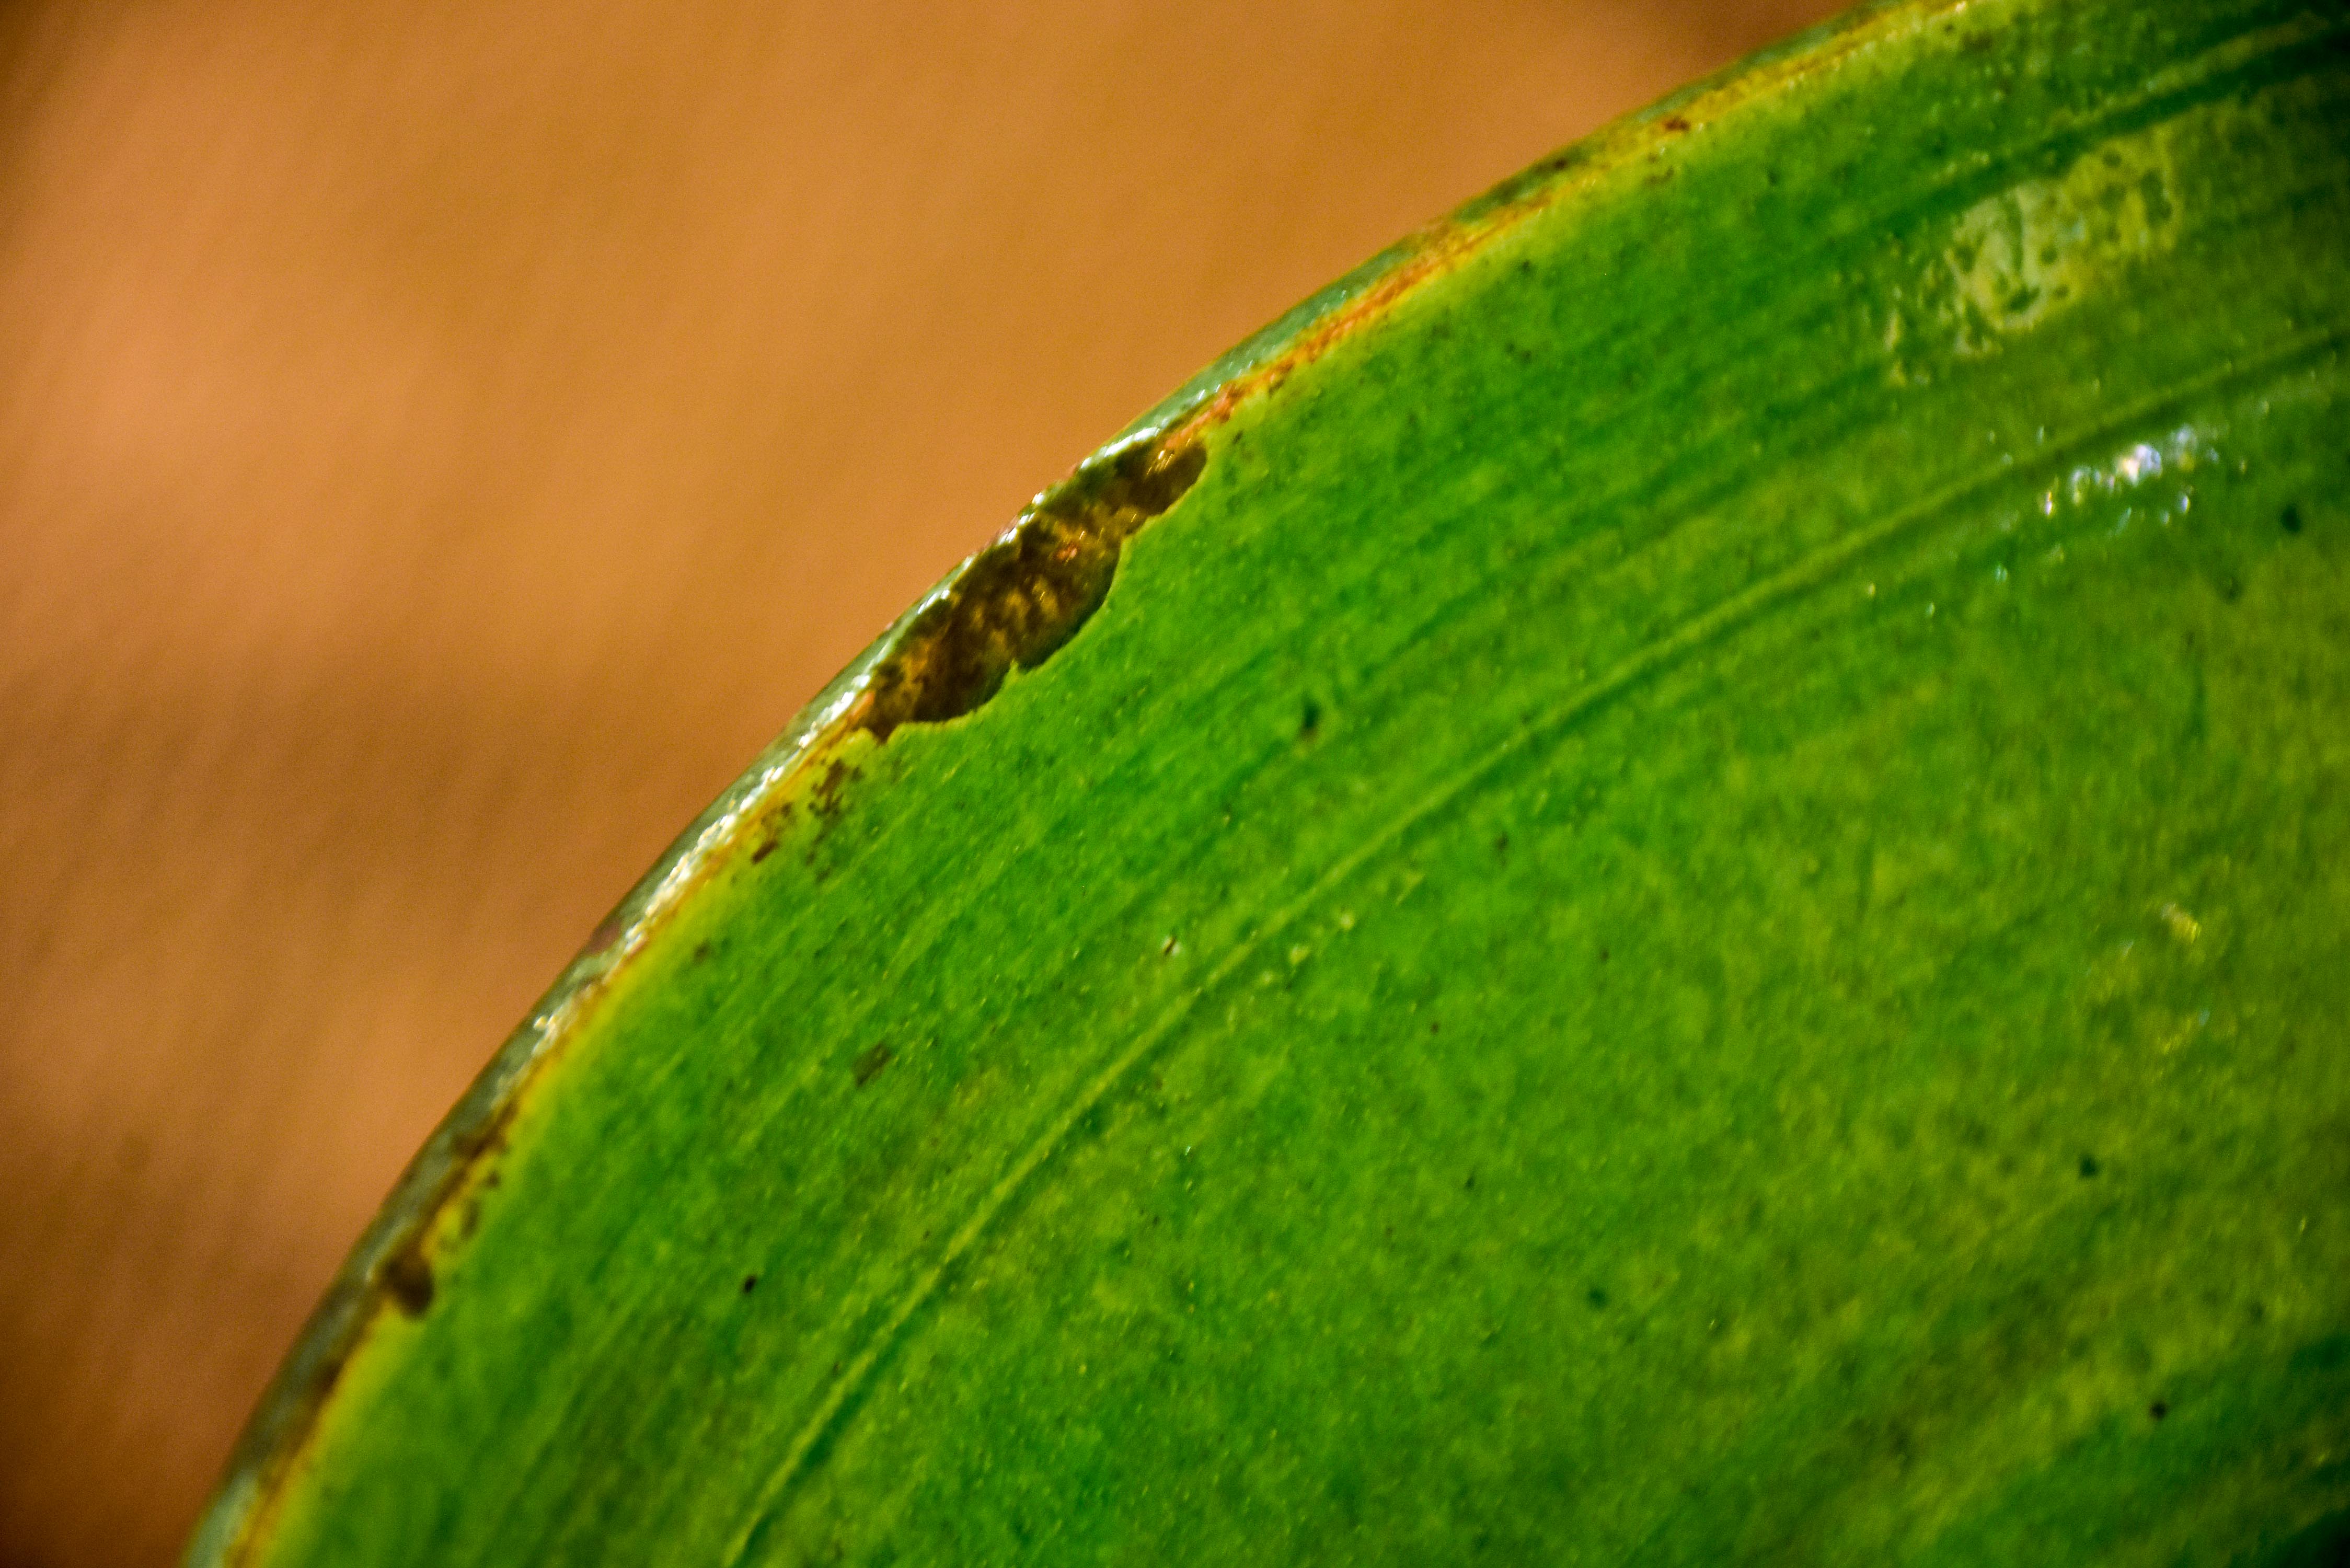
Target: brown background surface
<point>440,442</point>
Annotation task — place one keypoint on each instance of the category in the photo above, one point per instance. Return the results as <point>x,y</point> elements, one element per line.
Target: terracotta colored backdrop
<point>440,442</point>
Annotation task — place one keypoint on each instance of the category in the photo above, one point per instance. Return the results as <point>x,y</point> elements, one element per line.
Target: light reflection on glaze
<point>2177,453</point>
<point>2153,477</point>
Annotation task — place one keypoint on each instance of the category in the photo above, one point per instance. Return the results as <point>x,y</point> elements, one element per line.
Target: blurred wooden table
<point>439,445</point>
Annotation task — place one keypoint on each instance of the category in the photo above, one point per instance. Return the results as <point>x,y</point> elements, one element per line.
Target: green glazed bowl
<point>1667,881</point>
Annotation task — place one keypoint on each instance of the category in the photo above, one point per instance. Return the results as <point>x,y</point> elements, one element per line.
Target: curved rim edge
<point>266,1457</point>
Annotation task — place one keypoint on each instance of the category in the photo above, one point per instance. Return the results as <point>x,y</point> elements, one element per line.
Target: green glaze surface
<point>1687,903</point>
